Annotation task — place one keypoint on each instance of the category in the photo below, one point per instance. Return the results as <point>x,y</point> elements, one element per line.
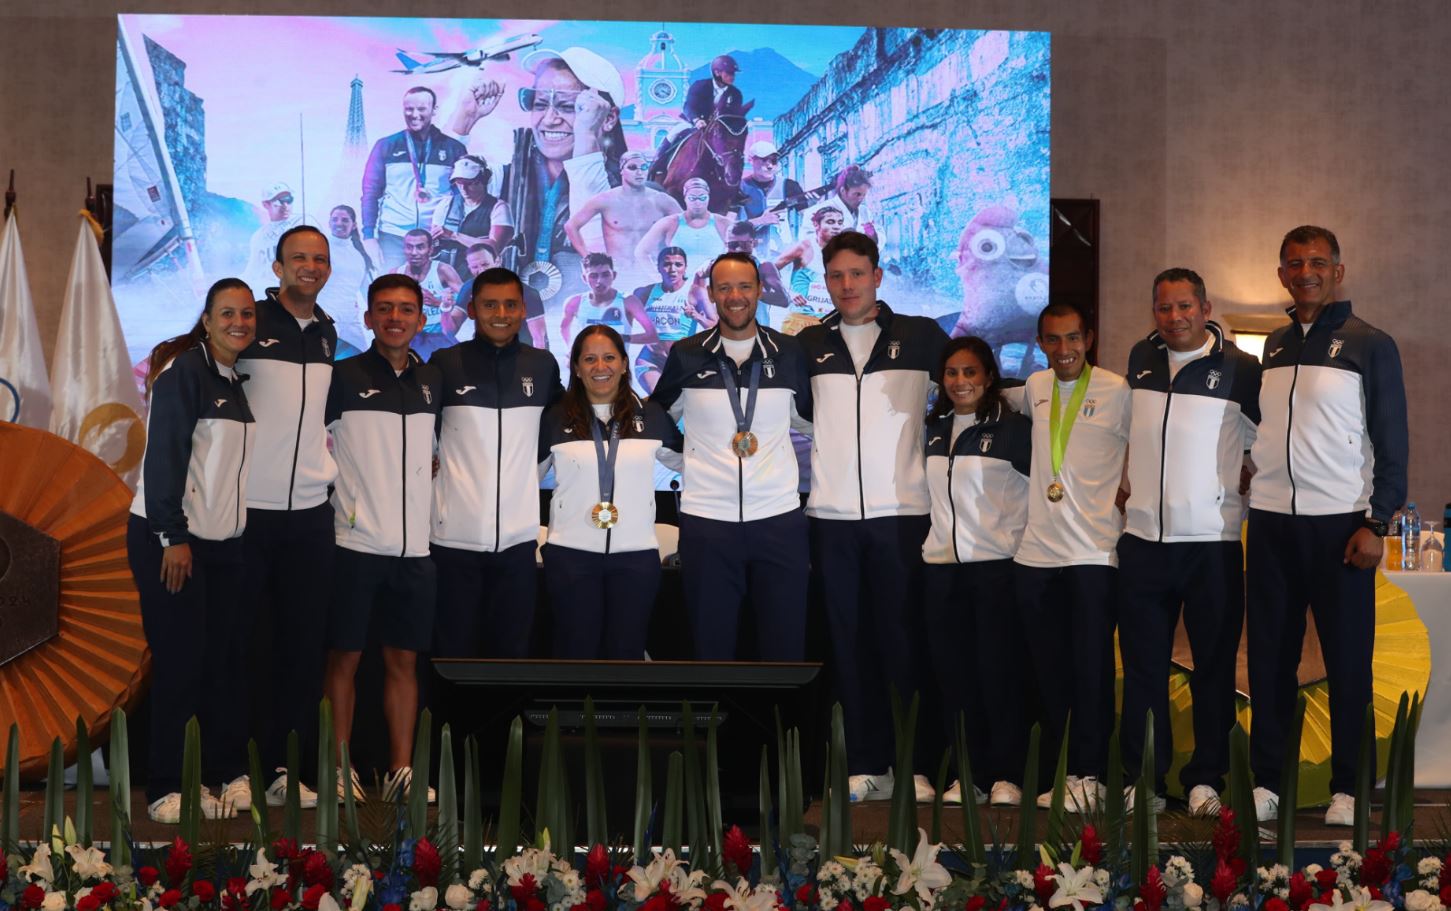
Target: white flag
<point>97,405</point>
<point>24,389</point>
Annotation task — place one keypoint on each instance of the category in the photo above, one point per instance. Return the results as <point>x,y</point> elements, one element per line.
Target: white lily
<point>533,862</point>
<point>645,880</point>
<point>741,897</point>
<point>89,863</point>
<point>922,872</point>
<point>264,874</point>
<point>53,901</point>
<point>39,869</point>
<point>328,903</point>
<point>1076,888</point>
<point>1359,900</point>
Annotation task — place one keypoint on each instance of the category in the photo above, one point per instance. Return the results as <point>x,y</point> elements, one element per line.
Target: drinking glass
<point>1432,551</point>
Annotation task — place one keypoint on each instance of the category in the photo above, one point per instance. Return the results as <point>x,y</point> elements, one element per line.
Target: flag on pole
<point>97,404</point>
<point>24,389</point>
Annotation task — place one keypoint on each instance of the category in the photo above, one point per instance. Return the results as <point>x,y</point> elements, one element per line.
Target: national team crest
<point>1212,381</point>
<point>1089,407</point>
<point>327,350</point>
<point>768,367</point>
<point>985,443</point>
<point>894,349</point>
<point>528,383</point>
<point>1335,345</point>
<point>427,394</point>
<point>639,423</point>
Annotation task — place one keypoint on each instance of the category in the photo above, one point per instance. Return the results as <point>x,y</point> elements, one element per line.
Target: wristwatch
<point>1376,525</point>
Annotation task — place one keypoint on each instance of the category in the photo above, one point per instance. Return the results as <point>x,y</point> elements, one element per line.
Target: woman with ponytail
<point>184,545</point>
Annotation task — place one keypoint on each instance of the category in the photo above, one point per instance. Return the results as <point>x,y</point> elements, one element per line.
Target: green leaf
<point>781,779</point>
<point>644,791</point>
<point>695,824</point>
<point>902,827</point>
<point>971,824</point>
<point>1242,795</point>
<point>596,826</point>
<point>1290,786</point>
<point>768,843</point>
<point>1028,808</point>
<point>828,831</point>
<point>1054,834</point>
<point>511,795</point>
<point>795,807</point>
<point>715,823</point>
<point>418,787</point>
<point>1407,790</point>
<point>1114,815</point>
<point>670,828</point>
<point>1390,820</point>
<point>191,783</point>
<point>839,791</point>
<point>447,809</point>
<point>85,788</point>
<point>1364,780</point>
<point>350,800</point>
<point>326,817</point>
<point>1146,834</point>
<point>258,786</point>
<point>120,788</point>
<point>473,808</point>
<point>292,805</point>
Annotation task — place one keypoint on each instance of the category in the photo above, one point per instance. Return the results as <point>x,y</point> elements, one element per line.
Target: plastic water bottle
<point>1446,556</point>
<point>1411,539</point>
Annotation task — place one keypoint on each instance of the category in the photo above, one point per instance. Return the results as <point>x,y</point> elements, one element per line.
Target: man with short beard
<point>740,388</point>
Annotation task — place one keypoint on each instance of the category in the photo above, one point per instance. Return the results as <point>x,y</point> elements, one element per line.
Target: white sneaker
<point>1157,803</point>
<point>1341,811</point>
<point>1203,801</point>
<point>358,795</point>
<point>399,782</point>
<point>166,810</point>
<point>871,787</point>
<point>925,792</point>
<point>1081,795</point>
<point>277,792</point>
<point>237,794</point>
<point>954,794</point>
<point>1005,794</point>
<point>1267,804</point>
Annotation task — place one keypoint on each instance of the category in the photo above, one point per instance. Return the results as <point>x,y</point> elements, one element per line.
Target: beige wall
<point>1206,130</point>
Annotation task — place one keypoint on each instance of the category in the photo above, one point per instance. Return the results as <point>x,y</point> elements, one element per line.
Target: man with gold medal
<point>740,388</point>
<point>1064,571</point>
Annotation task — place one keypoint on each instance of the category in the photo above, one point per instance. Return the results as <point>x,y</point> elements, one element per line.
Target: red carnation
<point>426,863</point>
<point>715,901</point>
<point>1092,846</point>
<point>313,896</point>
<point>1223,883</point>
<point>32,896</point>
<point>1044,883</point>
<point>104,892</point>
<point>737,850</point>
<point>976,903</point>
<point>178,862</point>
<point>392,906</point>
<point>203,890</point>
<point>596,866</point>
<point>534,904</point>
<point>316,871</point>
<point>483,905</point>
<point>147,876</point>
<point>876,903</point>
<point>1152,891</point>
<point>1445,895</point>
<point>660,901</point>
<point>284,849</point>
<point>846,905</point>
<point>171,897</point>
<point>1301,892</point>
<point>524,889</point>
<point>1375,869</point>
<point>1326,880</point>
<point>806,895</point>
<point>279,899</point>
<point>88,903</point>
<point>594,900</point>
<point>1275,903</point>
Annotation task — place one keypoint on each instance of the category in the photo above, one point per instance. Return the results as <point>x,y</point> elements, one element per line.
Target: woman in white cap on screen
<point>471,215</point>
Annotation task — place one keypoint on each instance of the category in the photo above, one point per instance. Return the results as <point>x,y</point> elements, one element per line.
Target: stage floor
<point>869,821</point>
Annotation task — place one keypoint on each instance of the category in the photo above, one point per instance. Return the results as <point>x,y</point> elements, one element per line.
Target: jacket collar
<point>1215,332</point>
<point>765,346</point>
<point>883,317</point>
<point>276,310</point>
<point>1333,315</point>
<point>377,361</point>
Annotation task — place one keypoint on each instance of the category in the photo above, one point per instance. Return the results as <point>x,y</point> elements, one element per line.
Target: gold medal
<point>1055,492</point>
<point>604,515</point>
<point>744,444</point>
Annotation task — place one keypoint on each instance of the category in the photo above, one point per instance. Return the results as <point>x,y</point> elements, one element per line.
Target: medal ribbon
<point>728,374</point>
<point>546,220</point>
<point>1059,429</point>
<point>419,173</point>
<point>605,459</point>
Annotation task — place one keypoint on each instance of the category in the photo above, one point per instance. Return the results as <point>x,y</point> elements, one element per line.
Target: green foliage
<point>1145,823</point>
<point>447,809</point>
<point>596,825</point>
<point>768,842</point>
<point>670,826</point>
<point>292,805</point>
<point>473,807</point>
<point>418,787</point>
<point>511,796</point>
<point>971,823</point>
<point>120,789</point>
<point>84,783</point>
<point>644,788</point>
<point>327,784</point>
<point>1028,808</point>
<point>1290,786</point>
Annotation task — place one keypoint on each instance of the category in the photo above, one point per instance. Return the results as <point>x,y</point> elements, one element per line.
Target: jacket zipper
<point>861,490</point>
<point>237,525</point>
<point>499,453</point>
<point>1290,424</point>
<point>297,441</point>
<point>403,464</point>
<point>951,500</point>
<point>1163,454</point>
<point>740,468</point>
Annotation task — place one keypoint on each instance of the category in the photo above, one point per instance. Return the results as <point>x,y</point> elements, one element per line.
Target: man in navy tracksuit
<point>486,496</point>
<point>740,388</point>
<point>289,536</point>
<point>870,510</point>
<point>381,411</point>
<point>1195,400</point>
<point>1331,457</point>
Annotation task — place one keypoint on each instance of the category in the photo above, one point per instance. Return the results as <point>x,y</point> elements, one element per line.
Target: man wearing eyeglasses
<point>277,203</point>
<point>764,188</point>
<point>698,231</point>
<point>406,178</point>
<point>625,213</point>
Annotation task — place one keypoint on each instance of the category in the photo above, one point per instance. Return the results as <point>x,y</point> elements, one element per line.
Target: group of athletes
<point>1013,532</point>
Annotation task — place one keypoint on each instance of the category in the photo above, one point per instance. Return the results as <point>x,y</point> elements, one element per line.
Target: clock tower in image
<point>660,83</point>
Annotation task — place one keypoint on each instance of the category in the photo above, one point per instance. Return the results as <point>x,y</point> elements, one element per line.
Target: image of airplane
<point>443,61</point>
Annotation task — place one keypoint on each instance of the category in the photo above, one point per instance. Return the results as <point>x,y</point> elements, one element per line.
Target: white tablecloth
<point>1431,593</point>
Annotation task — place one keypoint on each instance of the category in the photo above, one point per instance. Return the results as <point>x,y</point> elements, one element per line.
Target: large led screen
<point>606,162</point>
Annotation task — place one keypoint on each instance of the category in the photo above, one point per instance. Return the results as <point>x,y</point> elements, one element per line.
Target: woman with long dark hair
<point>184,545</point>
<point>344,296</point>
<point>602,560</point>
<point>978,456</point>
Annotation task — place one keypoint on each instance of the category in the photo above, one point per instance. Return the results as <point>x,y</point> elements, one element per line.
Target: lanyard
<point>420,165</point>
<point>1060,428</point>
<point>546,220</point>
<point>605,459</point>
<point>728,374</point>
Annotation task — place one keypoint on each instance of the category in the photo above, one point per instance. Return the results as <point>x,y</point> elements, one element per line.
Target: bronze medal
<point>604,515</point>
<point>744,444</point>
<point>1055,492</point>
<point>424,195</point>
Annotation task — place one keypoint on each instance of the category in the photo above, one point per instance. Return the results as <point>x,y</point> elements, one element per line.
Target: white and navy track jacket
<point>199,439</point>
<point>719,484</point>
<point>486,495</point>
<point>1333,436</point>
<point>290,370</point>
<point>979,487</point>
<point>649,435</point>
<point>382,426</point>
<point>1187,441</point>
<point>866,455</point>
<point>391,183</point>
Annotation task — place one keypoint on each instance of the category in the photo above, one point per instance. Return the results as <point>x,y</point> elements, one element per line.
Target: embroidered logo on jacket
<point>1142,374</point>
<point>267,343</point>
<point>528,383</point>
<point>1335,345</point>
<point>219,402</point>
<point>639,423</point>
<point>1275,352</point>
<point>704,373</point>
<point>823,359</point>
<point>327,349</point>
<point>985,443</point>
<point>894,349</point>
<point>933,440</point>
<point>768,367</point>
<point>427,394</point>
<point>1212,380</point>
<point>465,390</point>
<point>1089,407</point>
<point>369,394</point>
